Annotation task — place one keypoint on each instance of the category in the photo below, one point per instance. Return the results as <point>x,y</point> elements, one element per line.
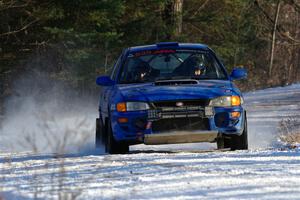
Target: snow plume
<point>261,136</point>
<point>266,109</point>
<point>46,116</point>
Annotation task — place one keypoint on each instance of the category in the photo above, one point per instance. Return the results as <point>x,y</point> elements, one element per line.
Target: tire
<point>234,142</point>
<point>240,142</point>
<point>99,133</point>
<point>223,142</point>
<point>112,146</point>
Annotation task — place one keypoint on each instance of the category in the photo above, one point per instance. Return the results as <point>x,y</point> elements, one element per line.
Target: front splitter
<point>180,137</point>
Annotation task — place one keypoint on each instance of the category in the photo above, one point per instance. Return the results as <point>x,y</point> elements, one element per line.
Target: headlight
<point>226,101</point>
<point>132,106</point>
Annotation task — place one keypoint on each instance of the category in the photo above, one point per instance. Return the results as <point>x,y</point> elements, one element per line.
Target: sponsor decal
<point>179,104</point>
<point>154,52</point>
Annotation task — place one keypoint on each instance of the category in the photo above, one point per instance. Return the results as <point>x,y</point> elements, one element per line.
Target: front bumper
<point>180,137</point>
<point>139,127</point>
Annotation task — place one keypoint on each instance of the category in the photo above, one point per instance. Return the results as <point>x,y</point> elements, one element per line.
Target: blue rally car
<point>170,93</point>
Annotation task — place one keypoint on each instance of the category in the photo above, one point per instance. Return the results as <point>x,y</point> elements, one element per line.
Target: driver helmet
<point>142,70</point>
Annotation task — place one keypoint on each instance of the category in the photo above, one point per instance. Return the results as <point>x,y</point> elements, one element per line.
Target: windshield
<point>151,66</point>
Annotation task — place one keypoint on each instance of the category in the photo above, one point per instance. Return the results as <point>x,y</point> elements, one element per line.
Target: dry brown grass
<point>289,132</point>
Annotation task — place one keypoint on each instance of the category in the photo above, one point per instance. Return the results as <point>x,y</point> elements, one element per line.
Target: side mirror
<point>238,73</point>
<point>104,81</point>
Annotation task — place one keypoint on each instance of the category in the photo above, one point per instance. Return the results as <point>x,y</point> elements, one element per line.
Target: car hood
<point>206,89</point>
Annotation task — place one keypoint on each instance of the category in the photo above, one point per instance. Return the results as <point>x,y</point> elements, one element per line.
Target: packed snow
<point>188,171</point>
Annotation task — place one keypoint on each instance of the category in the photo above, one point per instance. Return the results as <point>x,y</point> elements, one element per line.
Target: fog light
<point>122,120</point>
<point>235,114</point>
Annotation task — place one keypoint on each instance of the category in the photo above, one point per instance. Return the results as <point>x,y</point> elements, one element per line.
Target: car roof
<point>168,45</point>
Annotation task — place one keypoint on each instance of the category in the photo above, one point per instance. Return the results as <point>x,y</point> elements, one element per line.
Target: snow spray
<point>46,116</point>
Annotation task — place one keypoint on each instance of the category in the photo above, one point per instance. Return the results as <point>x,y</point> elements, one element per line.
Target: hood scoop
<point>176,82</point>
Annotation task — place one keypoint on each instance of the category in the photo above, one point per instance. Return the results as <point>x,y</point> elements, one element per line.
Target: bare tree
<point>284,33</point>
<point>274,37</point>
<point>283,30</point>
<point>177,9</point>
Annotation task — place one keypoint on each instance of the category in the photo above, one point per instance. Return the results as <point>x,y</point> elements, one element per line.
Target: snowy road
<point>172,172</point>
<point>213,175</point>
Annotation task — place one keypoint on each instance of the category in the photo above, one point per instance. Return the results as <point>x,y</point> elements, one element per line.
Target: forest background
<point>75,41</point>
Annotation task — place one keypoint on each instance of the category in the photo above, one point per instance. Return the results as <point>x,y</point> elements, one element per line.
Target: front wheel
<point>240,142</point>
<point>223,142</point>
<point>112,146</point>
<point>99,133</point>
<point>234,142</point>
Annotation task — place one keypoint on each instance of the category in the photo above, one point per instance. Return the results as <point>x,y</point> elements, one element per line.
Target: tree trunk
<point>177,10</point>
<point>274,38</point>
<point>289,64</point>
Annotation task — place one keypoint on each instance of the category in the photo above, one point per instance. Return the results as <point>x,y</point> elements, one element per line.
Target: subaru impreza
<point>169,93</point>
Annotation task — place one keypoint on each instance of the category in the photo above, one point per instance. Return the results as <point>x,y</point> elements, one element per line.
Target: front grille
<point>176,112</point>
<point>198,102</point>
<point>180,124</point>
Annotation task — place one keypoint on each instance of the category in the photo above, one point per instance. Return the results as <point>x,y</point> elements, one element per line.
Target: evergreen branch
<point>19,30</point>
